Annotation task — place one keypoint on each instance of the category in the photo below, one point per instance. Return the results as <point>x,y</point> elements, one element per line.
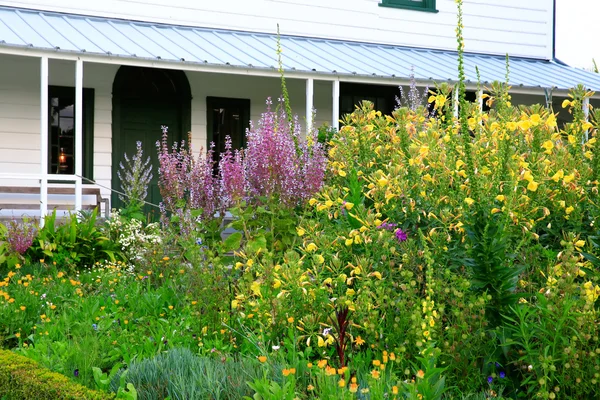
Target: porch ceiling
<point>131,40</point>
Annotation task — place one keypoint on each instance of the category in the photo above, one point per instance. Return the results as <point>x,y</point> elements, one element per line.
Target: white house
<point>81,81</point>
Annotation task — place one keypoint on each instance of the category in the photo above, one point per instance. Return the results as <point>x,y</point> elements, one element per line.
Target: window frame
<point>426,5</point>
<point>87,126</point>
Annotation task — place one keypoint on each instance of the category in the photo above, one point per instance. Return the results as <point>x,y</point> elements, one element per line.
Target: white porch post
<point>456,97</point>
<point>43,139</point>
<point>586,114</point>
<point>480,100</point>
<point>309,104</point>
<point>78,133</point>
<point>335,117</point>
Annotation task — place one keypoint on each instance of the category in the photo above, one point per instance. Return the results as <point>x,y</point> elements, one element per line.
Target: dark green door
<point>147,100</point>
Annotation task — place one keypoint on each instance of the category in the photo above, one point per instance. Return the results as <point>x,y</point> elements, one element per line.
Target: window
<point>382,97</point>
<point>227,117</point>
<point>61,143</point>
<point>418,5</point>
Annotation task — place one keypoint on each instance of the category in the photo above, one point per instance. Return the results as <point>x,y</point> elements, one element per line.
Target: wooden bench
<point>7,203</point>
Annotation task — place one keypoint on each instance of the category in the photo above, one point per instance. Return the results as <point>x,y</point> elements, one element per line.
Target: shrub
<point>23,379</point>
<point>179,374</point>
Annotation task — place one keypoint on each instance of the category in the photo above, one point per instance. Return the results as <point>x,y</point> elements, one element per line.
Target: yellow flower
<point>170,307</point>
<point>500,197</point>
<point>300,231</point>
<point>321,364</point>
<point>18,335</point>
<point>524,125</point>
<point>350,292</point>
<point>569,210</point>
<point>312,201</point>
<point>311,247</point>
<point>319,259</point>
<point>566,103</point>
<point>569,178</point>
<point>342,172</point>
<point>262,359</point>
<point>420,374</point>
<point>353,387</point>
<point>511,125</point>
<point>469,201</point>
<point>532,186</point>
<point>359,341</point>
<point>290,320</point>
<point>349,242</point>
<point>535,119</point>
<point>382,182</point>
<point>23,308</point>
<point>394,389</point>
<point>548,146</point>
<point>376,363</point>
<point>551,121</point>
<point>558,175</point>
<point>580,243</point>
<point>17,266</point>
<point>165,258</point>
<point>375,374</point>
<point>342,383</point>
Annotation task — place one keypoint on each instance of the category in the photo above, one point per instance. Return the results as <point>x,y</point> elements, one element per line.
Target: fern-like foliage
<point>491,263</point>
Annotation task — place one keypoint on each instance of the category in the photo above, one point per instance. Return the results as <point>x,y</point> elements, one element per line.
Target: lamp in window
<point>62,160</point>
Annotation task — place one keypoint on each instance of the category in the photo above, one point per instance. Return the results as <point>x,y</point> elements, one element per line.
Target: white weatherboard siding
<point>517,27</point>
<point>20,109</point>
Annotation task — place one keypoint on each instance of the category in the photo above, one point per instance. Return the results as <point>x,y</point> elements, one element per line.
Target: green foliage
<point>22,378</point>
<point>180,374</point>
<point>491,265</point>
<point>80,241</point>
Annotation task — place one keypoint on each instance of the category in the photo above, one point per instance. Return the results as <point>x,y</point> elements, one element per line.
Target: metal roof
<point>42,30</point>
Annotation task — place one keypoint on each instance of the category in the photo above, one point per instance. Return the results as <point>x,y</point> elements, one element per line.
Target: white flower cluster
<point>134,238</point>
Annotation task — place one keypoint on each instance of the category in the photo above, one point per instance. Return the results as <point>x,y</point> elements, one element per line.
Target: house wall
<point>20,108</point>
<point>516,27</point>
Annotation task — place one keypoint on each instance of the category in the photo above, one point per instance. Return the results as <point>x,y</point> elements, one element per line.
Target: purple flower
<point>20,235</point>
<point>76,373</point>
<point>95,327</point>
<point>401,235</point>
<point>490,379</point>
<point>388,226</point>
<point>502,374</point>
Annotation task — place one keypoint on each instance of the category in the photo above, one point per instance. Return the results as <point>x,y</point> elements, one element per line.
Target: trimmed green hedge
<point>23,379</point>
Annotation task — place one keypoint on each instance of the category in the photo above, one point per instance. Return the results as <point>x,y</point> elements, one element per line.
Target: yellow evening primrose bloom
<point>342,172</point>
<point>300,231</point>
<point>469,201</point>
<point>551,121</point>
<point>319,259</point>
<point>566,103</point>
<point>255,287</point>
<point>524,125</point>
<point>548,146</point>
<point>569,178</point>
<point>349,242</point>
<point>500,197</point>
<point>569,209</point>
<point>311,247</point>
<point>558,175</point>
<point>580,243</point>
<point>587,126</point>
<point>527,176</point>
<point>532,186</point>
<point>535,119</point>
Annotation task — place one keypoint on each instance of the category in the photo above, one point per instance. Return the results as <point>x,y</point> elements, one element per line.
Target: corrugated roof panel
<point>128,39</point>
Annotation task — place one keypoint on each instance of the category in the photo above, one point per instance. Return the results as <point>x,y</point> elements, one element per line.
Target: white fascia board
<point>263,72</point>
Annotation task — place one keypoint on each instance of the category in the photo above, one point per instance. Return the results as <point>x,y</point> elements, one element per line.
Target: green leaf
<point>256,245</point>
<point>233,242</point>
